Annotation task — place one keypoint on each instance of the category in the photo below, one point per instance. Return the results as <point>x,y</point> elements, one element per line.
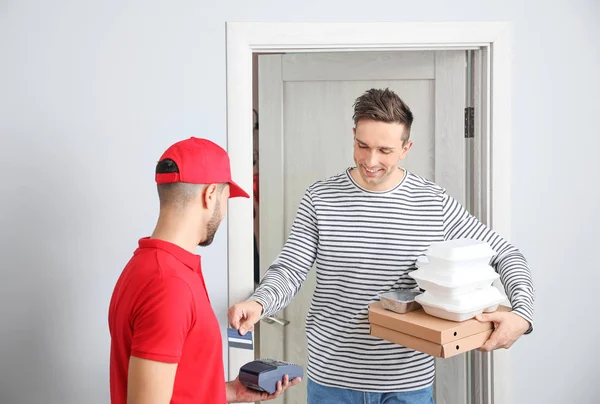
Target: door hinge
<point>469,122</point>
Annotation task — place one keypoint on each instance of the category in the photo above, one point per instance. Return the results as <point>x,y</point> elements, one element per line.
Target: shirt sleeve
<point>509,262</point>
<point>163,316</point>
<point>285,276</point>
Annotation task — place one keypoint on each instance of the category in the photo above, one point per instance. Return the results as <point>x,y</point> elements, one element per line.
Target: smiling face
<point>378,147</point>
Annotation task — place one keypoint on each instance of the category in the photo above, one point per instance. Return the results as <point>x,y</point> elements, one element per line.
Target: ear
<point>407,145</point>
<point>209,196</point>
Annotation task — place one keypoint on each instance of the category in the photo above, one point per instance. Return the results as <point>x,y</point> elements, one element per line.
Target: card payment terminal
<point>263,374</point>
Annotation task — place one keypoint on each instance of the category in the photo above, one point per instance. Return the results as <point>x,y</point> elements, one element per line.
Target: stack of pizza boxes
<point>455,283</point>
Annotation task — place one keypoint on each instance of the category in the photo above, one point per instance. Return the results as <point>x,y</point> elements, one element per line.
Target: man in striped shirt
<point>365,228</point>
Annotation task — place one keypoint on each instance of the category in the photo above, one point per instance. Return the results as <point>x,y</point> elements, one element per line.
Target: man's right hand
<point>244,315</point>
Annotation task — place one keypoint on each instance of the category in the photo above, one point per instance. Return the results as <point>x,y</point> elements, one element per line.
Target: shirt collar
<point>190,260</point>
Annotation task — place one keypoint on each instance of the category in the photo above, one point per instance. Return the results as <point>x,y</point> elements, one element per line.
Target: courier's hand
<point>244,315</point>
<point>238,393</point>
<point>508,327</point>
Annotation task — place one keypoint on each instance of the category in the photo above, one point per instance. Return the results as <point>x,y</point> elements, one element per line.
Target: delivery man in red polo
<point>165,338</point>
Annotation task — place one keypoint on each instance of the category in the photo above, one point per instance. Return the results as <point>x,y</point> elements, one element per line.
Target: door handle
<point>270,320</point>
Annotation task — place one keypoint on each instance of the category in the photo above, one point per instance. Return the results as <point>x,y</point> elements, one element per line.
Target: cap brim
<point>235,191</point>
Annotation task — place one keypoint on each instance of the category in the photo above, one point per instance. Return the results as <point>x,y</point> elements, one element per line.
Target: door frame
<point>494,127</point>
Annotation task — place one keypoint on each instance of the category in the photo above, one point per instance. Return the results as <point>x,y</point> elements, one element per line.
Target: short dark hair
<point>383,105</point>
<point>166,166</point>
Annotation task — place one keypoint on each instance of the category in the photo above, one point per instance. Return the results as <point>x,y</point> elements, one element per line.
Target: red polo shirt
<point>160,311</point>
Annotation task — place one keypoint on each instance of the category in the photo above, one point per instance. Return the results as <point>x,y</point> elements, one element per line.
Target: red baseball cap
<point>199,161</point>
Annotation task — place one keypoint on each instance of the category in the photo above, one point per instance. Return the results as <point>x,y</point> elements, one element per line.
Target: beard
<point>212,226</point>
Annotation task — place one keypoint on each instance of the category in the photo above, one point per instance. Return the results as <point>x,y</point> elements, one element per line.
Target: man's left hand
<point>508,327</point>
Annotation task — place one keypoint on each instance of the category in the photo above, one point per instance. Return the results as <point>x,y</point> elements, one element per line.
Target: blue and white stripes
<point>365,243</point>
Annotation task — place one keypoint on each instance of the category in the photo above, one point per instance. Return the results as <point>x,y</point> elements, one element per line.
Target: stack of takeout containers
<point>458,280</point>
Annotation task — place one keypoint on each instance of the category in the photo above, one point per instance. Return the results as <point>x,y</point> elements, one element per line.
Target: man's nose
<point>372,159</point>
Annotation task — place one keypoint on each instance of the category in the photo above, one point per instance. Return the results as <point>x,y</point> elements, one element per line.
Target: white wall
<point>91,93</point>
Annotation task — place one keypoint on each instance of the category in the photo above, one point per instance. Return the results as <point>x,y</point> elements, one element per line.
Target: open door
<point>305,134</point>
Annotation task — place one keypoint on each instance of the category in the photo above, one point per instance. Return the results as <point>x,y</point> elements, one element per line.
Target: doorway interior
<point>246,41</point>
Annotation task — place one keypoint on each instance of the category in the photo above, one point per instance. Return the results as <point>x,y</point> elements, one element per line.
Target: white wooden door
<point>305,105</point>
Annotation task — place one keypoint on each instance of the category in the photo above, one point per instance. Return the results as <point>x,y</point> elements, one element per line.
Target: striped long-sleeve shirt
<point>365,243</point>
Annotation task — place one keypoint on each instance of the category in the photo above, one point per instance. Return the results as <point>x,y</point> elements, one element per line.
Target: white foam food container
<point>460,253</point>
<point>449,283</point>
<point>421,261</point>
<point>461,308</point>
